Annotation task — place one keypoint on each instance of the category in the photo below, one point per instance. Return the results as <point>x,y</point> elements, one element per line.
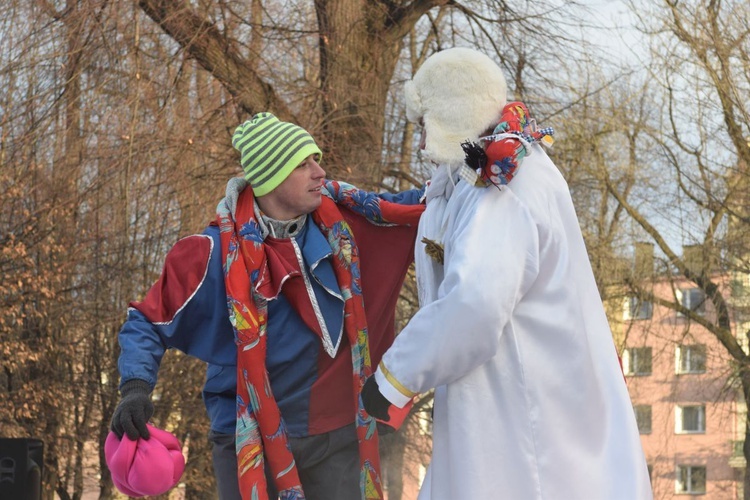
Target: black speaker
<point>21,462</point>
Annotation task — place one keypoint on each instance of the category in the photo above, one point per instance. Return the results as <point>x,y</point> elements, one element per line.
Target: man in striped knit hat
<point>289,297</point>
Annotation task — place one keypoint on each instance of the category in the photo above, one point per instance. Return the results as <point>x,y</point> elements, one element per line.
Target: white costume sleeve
<point>491,260</point>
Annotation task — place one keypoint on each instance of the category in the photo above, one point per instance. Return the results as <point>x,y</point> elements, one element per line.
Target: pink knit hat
<point>146,467</point>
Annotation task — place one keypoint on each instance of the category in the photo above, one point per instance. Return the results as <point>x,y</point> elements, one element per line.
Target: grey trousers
<point>328,465</point>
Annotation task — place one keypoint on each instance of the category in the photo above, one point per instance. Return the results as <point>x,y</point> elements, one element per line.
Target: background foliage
<point>115,126</point>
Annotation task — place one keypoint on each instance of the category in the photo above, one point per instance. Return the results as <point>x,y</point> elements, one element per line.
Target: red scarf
<point>260,429</point>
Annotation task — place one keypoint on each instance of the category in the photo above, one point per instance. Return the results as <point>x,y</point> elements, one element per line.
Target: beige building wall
<point>675,398</point>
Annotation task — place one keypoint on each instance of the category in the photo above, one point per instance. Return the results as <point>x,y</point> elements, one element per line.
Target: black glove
<point>133,410</point>
<point>374,402</point>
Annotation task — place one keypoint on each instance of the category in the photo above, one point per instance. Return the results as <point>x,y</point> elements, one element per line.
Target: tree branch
<point>403,18</point>
<point>202,40</point>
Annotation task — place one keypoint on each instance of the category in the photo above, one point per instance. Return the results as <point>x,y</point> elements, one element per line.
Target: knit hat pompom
<point>459,93</point>
<point>270,149</point>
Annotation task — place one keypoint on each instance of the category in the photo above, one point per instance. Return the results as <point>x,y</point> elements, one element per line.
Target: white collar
<point>443,181</point>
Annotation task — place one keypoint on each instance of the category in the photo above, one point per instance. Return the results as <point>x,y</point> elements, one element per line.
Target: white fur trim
<point>459,93</point>
<point>414,109</point>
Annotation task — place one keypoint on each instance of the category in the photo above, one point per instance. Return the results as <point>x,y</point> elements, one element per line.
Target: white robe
<point>530,402</point>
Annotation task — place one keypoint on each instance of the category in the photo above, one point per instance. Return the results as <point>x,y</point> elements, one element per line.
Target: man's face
<point>298,194</point>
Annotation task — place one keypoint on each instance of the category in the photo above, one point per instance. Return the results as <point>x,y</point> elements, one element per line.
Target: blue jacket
<point>186,309</point>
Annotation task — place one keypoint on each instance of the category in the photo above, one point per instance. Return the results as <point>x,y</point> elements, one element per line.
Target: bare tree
<point>701,137</point>
<point>115,126</point>
<point>359,46</point>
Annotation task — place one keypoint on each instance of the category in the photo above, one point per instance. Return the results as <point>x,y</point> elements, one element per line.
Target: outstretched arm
<point>403,208</point>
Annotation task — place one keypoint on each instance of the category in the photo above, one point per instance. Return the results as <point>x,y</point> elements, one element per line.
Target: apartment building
<point>682,382</point>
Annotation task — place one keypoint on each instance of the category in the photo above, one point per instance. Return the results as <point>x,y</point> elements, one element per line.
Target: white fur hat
<point>459,93</point>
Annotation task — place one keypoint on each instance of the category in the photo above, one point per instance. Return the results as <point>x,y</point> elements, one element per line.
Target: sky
<point>613,31</point>
<point>613,28</point>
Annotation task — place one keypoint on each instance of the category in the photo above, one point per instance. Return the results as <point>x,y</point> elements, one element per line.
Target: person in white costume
<point>530,401</point>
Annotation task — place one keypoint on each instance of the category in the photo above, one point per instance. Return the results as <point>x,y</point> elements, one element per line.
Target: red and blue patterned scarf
<point>260,431</point>
<point>495,161</point>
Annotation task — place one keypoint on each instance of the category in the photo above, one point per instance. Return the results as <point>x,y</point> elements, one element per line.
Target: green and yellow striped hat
<point>270,149</point>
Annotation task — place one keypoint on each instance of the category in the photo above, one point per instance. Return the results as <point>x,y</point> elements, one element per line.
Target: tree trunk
<point>359,46</point>
<point>745,378</point>
<point>355,72</point>
<point>392,451</point>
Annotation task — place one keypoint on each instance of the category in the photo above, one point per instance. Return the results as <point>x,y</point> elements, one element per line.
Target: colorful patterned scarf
<point>260,429</point>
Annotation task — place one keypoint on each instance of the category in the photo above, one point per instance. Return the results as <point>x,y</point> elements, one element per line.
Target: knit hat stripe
<point>281,163</point>
<point>269,144</point>
<point>242,135</point>
<point>254,140</point>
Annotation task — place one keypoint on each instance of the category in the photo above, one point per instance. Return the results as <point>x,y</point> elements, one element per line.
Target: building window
<point>742,326</point>
<point>690,419</point>
<point>690,479</point>
<point>636,361</point>
<point>738,449</point>
<point>424,422</point>
<point>636,308</point>
<point>690,359</point>
<point>643,418</point>
<point>739,285</point>
<point>693,299</point>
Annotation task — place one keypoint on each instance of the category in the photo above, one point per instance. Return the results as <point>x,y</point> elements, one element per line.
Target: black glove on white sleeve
<point>133,410</point>
<point>374,402</point>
